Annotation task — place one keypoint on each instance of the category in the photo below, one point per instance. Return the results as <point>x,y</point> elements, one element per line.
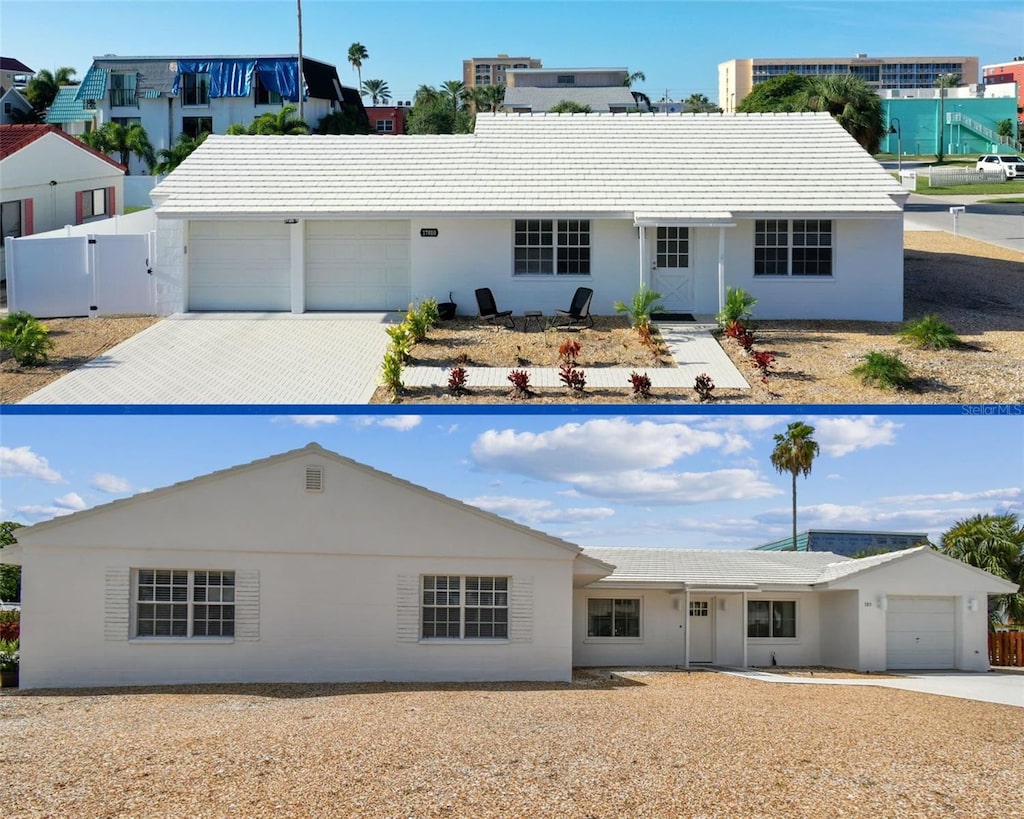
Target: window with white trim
<point>184,603</point>
<point>798,247</point>
<point>771,618</point>
<point>94,203</point>
<point>195,89</point>
<point>458,607</point>
<point>552,247</point>
<point>698,608</point>
<point>11,225</point>
<point>673,248</point>
<point>613,617</point>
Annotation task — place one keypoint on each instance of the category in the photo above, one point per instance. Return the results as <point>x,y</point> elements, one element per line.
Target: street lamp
<point>895,128</point>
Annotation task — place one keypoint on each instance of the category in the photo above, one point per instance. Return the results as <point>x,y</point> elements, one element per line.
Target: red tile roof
<point>15,137</point>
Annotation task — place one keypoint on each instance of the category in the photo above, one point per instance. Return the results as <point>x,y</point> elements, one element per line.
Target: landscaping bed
<point>649,743</point>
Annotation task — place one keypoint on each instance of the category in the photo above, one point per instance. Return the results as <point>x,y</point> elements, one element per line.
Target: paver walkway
<point>694,348</point>
<point>235,358</point>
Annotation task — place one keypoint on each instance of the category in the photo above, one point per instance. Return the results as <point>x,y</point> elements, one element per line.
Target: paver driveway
<point>235,358</point>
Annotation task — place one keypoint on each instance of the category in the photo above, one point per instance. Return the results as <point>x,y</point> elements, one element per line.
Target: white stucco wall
<point>840,632</point>
<point>662,630</point>
<point>805,649</point>
<point>330,567</point>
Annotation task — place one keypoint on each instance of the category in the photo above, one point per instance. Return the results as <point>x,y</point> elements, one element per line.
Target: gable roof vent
<point>314,479</point>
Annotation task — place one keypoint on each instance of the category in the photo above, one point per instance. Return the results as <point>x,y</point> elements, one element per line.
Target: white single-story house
<point>308,567</point>
<point>786,206</point>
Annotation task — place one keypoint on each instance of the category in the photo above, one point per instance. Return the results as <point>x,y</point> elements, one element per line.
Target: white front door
<point>702,632</point>
<point>672,275</point>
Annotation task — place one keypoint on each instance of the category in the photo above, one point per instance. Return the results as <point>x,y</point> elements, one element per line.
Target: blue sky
<point>682,481</point>
<point>678,45</point>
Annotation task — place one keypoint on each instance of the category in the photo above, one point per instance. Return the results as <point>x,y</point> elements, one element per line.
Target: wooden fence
<point>1006,648</point>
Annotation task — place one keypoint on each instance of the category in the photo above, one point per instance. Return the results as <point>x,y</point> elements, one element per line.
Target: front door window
<point>672,275</point>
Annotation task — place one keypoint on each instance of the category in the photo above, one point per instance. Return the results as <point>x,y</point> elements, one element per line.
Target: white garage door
<point>920,632</point>
<point>239,266</point>
<point>356,265</point>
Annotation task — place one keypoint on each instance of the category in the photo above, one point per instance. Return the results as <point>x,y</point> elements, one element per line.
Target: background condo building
<point>491,70</point>
<point>737,78</point>
<point>1004,74</point>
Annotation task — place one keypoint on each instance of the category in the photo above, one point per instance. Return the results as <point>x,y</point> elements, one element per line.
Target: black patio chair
<point>489,309</point>
<point>579,310</point>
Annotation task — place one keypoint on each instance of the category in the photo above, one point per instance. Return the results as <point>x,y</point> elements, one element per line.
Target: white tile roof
<point>709,166</point>
<point>710,568</point>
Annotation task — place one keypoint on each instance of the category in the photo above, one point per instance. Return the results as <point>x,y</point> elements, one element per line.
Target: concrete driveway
<point>235,358</point>
<point>997,686</point>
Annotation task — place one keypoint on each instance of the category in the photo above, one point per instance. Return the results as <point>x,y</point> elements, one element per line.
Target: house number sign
<point>428,233</point>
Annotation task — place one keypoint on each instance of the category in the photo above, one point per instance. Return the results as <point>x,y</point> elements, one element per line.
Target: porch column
<point>686,627</point>
<point>721,268</point>
<point>297,231</point>
<point>643,252</point>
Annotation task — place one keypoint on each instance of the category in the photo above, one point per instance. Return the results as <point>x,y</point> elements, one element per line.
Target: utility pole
<point>301,81</point>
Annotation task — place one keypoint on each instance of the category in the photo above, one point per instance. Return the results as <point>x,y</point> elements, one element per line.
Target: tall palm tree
<point>636,76</point>
<point>123,140</point>
<point>851,102</point>
<point>170,158</point>
<point>378,90</point>
<point>700,104</point>
<point>283,123</point>
<point>794,453</point>
<point>487,97</point>
<point>42,88</point>
<point>454,93</point>
<point>942,82</point>
<point>357,53</point>
<point>425,94</point>
<point>994,543</point>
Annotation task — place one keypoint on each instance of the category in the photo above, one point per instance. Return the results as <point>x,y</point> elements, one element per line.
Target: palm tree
<point>425,94</point>
<point>994,543</point>
<point>636,76</point>
<point>378,90</point>
<point>454,93</point>
<point>851,102</point>
<point>357,53</point>
<point>42,88</point>
<point>794,453</point>
<point>700,104</point>
<point>280,124</point>
<point>487,97</point>
<point>124,140</point>
<point>171,158</point>
<point>942,82</point>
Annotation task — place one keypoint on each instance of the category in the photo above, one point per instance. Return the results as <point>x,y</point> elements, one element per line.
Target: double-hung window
<point>385,126</point>
<point>771,618</point>
<point>798,247</point>
<point>184,603</point>
<point>613,617</point>
<point>464,607</point>
<point>195,89</point>
<point>552,247</point>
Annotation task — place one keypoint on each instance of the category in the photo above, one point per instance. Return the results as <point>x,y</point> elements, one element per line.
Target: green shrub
<point>9,655</point>
<point>930,333</point>
<point>391,371</point>
<point>644,302</point>
<point>885,371</point>
<point>428,308</point>
<point>738,306</point>
<point>401,339</point>
<point>26,339</point>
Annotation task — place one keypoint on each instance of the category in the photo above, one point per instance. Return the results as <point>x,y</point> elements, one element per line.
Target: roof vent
<point>314,479</point>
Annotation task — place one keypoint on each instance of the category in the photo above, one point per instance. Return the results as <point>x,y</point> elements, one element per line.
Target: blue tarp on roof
<point>234,78</point>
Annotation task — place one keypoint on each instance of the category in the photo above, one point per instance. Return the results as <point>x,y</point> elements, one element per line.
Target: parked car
<point>1006,164</point>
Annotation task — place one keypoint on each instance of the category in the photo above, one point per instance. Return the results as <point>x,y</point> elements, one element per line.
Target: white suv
<point>1007,165</point>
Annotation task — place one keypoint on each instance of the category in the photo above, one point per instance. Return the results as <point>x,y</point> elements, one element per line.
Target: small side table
<point>536,316</point>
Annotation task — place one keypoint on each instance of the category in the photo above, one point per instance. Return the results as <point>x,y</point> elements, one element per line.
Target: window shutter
<point>247,606</point>
<point>116,604</point>
<point>78,207</point>
<point>27,217</point>
<point>111,201</point>
<point>408,609</point>
<point>520,628</point>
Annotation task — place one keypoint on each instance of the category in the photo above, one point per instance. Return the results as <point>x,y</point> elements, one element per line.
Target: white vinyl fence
<point>80,275</point>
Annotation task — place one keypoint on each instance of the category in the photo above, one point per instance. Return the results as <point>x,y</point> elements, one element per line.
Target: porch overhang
<point>723,219</point>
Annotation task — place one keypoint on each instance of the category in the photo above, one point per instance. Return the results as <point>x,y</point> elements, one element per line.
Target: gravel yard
<point>649,743</point>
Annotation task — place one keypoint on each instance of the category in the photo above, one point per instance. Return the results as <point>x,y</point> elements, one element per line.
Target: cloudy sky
<point>681,481</point>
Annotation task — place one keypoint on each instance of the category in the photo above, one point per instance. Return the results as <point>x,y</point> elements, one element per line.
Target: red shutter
<point>27,218</point>
<point>78,208</point>
<point>111,201</point>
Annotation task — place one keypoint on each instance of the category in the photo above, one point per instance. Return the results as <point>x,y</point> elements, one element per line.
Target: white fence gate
<point>80,276</point>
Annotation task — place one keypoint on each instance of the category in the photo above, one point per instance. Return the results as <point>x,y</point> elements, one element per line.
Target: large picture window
<point>194,126</point>
<point>195,89</point>
<point>459,607</point>
<point>184,603</point>
<point>801,247</point>
<point>552,247</point>
<point>613,617</point>
<point>771,618</point>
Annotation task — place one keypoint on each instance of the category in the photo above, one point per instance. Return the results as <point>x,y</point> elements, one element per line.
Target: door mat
<point>673,317</point>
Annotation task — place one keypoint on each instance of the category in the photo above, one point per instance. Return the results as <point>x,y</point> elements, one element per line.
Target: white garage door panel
<point>357,265</point>
<point>920,632</point>
<point>239,266</point>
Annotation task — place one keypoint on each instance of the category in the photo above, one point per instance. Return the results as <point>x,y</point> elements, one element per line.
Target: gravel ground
<point>647,744</point>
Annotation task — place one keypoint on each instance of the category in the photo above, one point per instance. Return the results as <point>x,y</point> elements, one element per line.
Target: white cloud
<point>38,513</point>
<point>313,421</point>
<point>402,423</point>
<point>746,423</point>
<point>534,511</point>
<point>659,488</point>
<point>841,436</point>
<point>833,477</point>
<point>72,501</point>
<point>596,447</point>
<point>1010,494</point>
<point>111,484</point>
<point>22,462</point>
